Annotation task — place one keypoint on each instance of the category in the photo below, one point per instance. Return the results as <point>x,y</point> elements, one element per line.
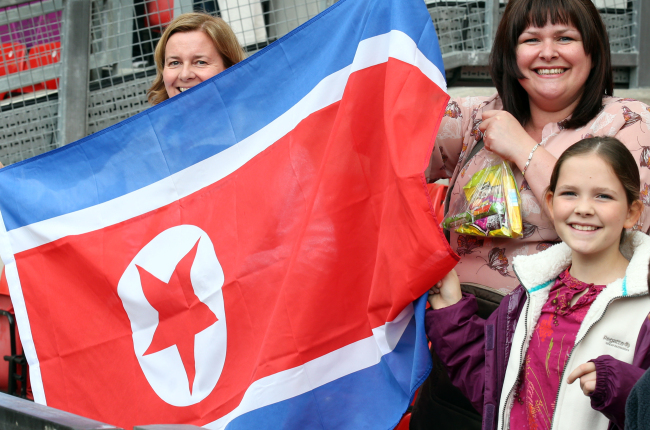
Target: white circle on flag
<point>164,369</point>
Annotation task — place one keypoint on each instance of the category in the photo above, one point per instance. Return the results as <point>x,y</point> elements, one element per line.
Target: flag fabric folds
<point>246,254</point>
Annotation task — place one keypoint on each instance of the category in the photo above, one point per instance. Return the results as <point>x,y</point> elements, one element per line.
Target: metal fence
<point>125,32</point>
<point>66,60</point>
<point>29,67</point>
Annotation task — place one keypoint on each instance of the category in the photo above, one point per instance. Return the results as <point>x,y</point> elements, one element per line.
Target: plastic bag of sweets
<point>490,203</point>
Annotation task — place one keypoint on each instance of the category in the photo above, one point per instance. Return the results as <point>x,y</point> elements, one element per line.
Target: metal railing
<point>93,59</point>
<point>20,414</point>
<point>29,119</point>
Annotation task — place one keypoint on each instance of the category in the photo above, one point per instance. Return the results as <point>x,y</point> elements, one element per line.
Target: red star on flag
<point>181,315</point>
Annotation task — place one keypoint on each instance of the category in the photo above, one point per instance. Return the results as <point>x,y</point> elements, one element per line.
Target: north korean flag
<point>246,254</point>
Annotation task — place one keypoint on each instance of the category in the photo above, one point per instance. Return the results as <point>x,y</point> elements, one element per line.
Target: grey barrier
<point>20,414</point>
<point>166,427</point>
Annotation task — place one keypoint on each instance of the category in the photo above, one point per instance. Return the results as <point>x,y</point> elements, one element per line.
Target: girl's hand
<point>503,135</point>
<point>446,292</point>
<point>587,374</point>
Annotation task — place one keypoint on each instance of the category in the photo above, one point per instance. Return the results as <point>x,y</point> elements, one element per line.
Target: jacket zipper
<point>521,353</point>
<point>557,395</point>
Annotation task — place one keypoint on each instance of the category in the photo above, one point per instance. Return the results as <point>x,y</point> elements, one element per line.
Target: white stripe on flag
<point>320,371</point>
<point>373,51</point>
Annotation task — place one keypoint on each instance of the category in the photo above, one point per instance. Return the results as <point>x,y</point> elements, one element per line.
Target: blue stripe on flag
<point>77,177</point>
<point>367,399</point>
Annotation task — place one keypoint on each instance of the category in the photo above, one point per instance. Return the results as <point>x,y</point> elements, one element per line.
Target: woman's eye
<point>172,63</point>
<point>201,62</point>
<point>566,39</point>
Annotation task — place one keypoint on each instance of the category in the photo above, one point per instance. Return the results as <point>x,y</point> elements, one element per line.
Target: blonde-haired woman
<point>193,48</point>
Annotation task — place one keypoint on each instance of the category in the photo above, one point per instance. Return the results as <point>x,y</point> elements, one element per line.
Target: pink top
<point>487,261</point>
<point>548,352</point>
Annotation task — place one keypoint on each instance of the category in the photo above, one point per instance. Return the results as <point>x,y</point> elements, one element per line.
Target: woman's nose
<point>548,50</point>
<point>186,73</point>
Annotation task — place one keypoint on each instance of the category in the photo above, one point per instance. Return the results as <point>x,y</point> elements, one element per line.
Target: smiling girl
<point>580,311</point>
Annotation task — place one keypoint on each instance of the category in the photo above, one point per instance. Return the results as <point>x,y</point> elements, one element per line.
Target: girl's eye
<point>605,196</point>
<point>567,193</point>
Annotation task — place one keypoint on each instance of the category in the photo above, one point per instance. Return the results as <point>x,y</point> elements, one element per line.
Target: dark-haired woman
<point>552,70</point>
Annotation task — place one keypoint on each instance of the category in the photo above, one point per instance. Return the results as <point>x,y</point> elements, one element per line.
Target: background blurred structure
<point>69,68</point>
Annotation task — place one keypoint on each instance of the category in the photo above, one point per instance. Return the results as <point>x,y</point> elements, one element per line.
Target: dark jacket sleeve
<point>614,381</point>
<point>637,408</point>
<point>457,335</point>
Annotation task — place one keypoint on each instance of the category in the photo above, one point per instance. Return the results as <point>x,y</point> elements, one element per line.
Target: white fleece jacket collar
<point>534,271</point>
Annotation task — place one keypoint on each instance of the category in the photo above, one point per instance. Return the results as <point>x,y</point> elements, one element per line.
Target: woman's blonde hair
<point>222,36</point>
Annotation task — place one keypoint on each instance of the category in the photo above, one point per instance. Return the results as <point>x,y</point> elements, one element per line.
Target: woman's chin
<point>554,101</point>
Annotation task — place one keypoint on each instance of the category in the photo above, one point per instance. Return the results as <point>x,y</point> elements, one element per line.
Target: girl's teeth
<point>182,89</point>
<point>584,227</point>
<point>549,71</point>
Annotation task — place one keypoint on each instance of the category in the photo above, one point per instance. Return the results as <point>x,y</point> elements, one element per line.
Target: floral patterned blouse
<point>487,261</point>
<point>548,352</point>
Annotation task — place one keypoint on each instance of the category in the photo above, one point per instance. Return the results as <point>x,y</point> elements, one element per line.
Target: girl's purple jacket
<point>476,351</point>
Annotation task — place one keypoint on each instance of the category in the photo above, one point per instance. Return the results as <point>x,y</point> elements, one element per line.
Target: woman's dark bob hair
<point>584,16</point>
